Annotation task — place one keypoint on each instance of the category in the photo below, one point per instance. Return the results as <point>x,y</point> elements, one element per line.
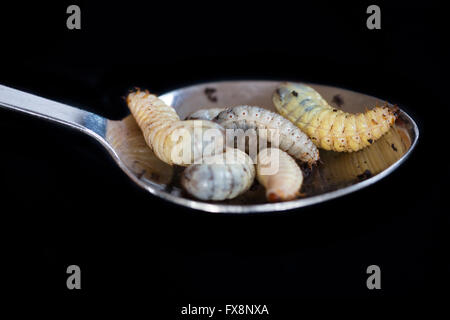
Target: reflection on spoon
<point>127,140</point>
<point>339,169</point>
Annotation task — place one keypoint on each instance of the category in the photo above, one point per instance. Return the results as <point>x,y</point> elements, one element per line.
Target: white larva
<point>279,174</point>
<point>291,139</point>
<point>172,140</point>
<point>220,177</point>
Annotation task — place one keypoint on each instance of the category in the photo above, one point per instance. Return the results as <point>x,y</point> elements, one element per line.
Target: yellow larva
<point>290,138</point>
<point>279,174</point>
<point>220,177</point>
<point>172,140</point>
<point>330,128</point>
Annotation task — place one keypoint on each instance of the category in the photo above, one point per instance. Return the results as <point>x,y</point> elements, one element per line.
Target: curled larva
<point>330,128</point>
<point>220,177</point>
<point>172,140</point>
<point>279,174</point>
<point>279,131</point>
<point>205,114</point>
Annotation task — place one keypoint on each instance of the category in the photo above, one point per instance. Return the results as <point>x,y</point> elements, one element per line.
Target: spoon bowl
<point>338,174</point>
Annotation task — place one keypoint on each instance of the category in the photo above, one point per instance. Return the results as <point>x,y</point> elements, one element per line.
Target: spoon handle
<point>51,110</point>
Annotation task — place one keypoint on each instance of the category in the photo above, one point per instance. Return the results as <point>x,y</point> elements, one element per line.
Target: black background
<point>64,201</point>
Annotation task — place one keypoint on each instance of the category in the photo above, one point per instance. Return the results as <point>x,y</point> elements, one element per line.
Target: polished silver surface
<point>144,172</point>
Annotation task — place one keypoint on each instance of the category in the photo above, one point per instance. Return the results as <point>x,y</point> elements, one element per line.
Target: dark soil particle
<point>393,147</point>
<point>337,99</point>
<point>210,94</point>
<point>307,170</point>
<point>141,174</point>
<point>365,175</point>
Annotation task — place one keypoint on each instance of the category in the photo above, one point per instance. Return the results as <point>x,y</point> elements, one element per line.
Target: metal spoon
<point>338,176</point>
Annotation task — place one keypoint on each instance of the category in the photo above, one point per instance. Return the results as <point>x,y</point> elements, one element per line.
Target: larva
<point>220,177</point>
<point>290,138</point>
<point>173,141</point>
<point>330,128</point>
<point>205,114</point>
<point>279,174</point>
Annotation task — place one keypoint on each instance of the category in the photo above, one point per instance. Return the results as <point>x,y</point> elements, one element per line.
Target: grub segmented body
<point>328,127</point>
<point>220,177</point>
<point>278,172</point>
<point>289,138</point>
<point>172,140</point>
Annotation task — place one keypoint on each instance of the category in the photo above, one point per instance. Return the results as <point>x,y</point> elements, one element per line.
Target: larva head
<point>388,113</point>
<point>313,156</point>
<point>278,195</point>
<point>233,113</point>
<point>224,116</point>
<point>205,114</point>
<point>283,93</point>
<point>394,111</point>
<point>137,94</point>
<point>288,90</point>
